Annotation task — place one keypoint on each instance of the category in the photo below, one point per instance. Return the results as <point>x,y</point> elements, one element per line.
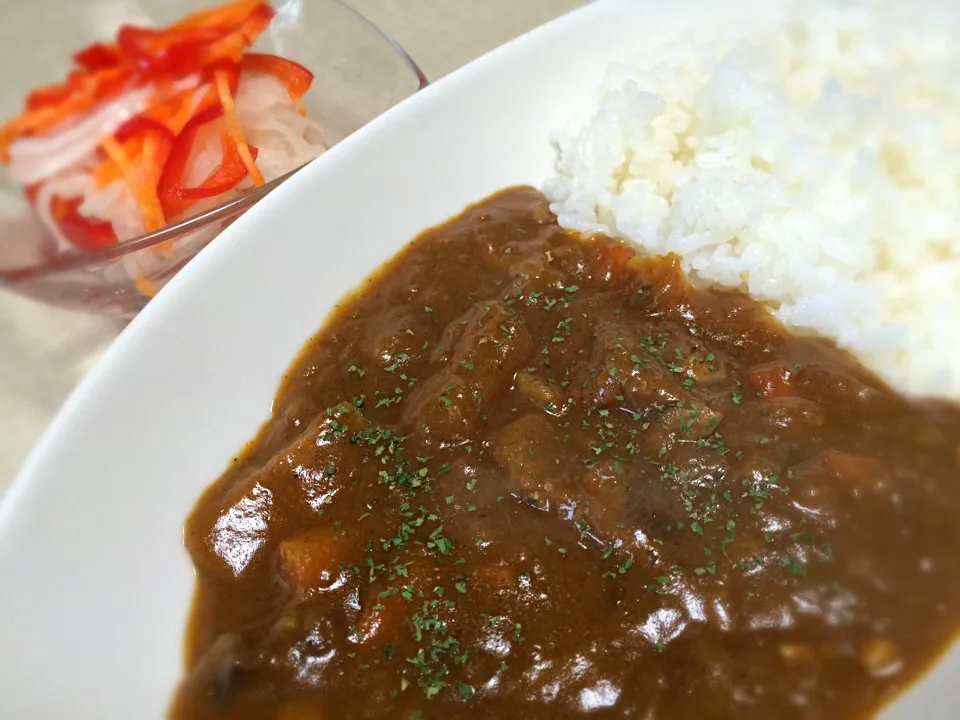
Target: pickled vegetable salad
<point>159,125</point>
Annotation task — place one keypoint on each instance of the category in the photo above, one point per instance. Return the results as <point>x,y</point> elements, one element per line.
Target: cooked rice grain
<point>815,165</point>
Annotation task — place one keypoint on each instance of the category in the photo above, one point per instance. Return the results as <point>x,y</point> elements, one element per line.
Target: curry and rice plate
<point>598,453</point>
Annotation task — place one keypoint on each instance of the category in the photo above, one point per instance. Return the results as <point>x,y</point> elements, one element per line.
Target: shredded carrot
<point>145,287</point>
<point>178,120</point>
<point>149,161</point>
<point>164,249</point>
<point>234,129</point>
<point>105,173</point>
<point>229,48</point>
<point>108,171</point>
<point>143,192</point>
<point>174,111</point>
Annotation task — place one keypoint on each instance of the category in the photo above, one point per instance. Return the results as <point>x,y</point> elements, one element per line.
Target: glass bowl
<point>359,70</point>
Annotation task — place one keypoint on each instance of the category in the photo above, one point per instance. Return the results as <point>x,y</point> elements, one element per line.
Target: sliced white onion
<point>259,91</point>
<point>270,121</point>
<point>115,202</point>
<point>205,156</point>
<point>34,158</point>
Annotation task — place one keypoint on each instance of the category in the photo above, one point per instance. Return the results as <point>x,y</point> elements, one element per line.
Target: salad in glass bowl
<point>114,177</point>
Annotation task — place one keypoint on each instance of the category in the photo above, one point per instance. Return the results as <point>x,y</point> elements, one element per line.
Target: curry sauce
<point>522,473</point>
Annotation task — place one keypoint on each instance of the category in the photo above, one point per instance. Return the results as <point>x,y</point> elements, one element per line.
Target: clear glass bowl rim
<point>227,210</point>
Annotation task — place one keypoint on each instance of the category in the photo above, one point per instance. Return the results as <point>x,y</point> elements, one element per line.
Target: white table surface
<point>44,351</point>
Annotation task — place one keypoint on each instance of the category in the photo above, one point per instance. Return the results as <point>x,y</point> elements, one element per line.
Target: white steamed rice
<point>815,165</point>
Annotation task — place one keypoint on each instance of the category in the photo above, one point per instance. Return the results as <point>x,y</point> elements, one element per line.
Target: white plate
<point>94,582</point>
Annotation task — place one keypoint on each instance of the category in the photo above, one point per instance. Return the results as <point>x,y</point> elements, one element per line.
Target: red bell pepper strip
<point>231,46</point>
<point>295,77</point>
<point>85,234</point>
<point>97,57</point>
<point>183,48</point>
<point>231,14</point>
<point>226,176</point>
<point>256,22</point>
<point>174,196</point>
<point>231,72</point>
<point>234,129</point>
<point>48,95</point>
<point>162,51</point>
<point>172,176</point>
<point>143,127</point>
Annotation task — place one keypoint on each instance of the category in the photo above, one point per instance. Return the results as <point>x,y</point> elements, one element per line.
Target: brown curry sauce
<point>524,474</point>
